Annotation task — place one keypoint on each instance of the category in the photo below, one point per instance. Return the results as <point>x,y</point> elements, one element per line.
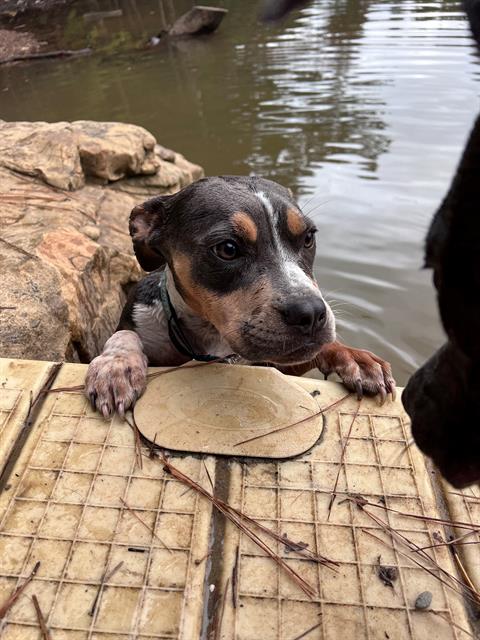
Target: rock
<point>110,151</point>
<point>16,43</point>
<point>12,8</point>
<point>424,600</point>
<point>42,150</point>
<point>64,154</point>
<point>66,257</point>
<point>276,9</point>
<point>197,21</point>
<point>91,231</point>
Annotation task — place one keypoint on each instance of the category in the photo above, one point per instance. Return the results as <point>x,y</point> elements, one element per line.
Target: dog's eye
<point>227,250</point>
<point>309,239</point>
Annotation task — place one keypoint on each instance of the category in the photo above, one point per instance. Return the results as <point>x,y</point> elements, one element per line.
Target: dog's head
<point>241,253</point>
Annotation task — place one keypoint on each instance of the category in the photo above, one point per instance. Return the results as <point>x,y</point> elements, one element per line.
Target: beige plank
<point>464,506</point>
<point>20,381</point>
<point>64,509</point>
<point>292,498</point>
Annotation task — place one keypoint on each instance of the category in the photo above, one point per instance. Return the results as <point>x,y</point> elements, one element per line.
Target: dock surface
<point>126,550</point>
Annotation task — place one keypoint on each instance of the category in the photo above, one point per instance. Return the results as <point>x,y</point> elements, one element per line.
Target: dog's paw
<point>115,381</point>
<point>360,371</point>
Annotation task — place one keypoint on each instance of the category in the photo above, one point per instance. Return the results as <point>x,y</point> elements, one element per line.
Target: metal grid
<point>9,399</point>
<point>64,508</point>
<point>464,506</point>
<point>19,382</point>
<point>292,498</point>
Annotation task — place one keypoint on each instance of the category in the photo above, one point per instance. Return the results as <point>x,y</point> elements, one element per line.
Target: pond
<point>360,106</point>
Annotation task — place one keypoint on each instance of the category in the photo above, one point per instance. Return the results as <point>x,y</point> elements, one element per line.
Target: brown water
<point>360,106</point>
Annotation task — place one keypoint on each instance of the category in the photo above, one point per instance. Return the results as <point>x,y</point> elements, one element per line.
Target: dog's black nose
<point>306,315</point>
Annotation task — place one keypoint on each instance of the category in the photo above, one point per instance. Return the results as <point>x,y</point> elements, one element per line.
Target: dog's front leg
<point>118,376</point>
<point>360,371</point>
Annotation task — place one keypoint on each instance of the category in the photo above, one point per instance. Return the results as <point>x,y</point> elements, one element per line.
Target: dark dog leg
<point>442,397</point>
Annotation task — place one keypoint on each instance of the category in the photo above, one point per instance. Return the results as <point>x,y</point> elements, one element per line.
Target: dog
<point>442,397</point>
<point>231,275</point>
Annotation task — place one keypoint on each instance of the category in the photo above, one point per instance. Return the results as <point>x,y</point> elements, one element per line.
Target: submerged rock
<point>66,192</point>
<point>198,20</point>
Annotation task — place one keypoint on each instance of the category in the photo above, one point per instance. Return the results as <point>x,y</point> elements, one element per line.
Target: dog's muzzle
<point>442,400</point>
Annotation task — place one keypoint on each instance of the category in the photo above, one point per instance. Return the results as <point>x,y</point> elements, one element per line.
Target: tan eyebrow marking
<point>295,222</point>
<point>245,225</point>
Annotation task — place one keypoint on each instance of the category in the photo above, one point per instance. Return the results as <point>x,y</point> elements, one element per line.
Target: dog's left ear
<point>146,223</point>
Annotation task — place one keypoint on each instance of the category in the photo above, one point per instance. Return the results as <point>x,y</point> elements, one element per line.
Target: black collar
<point>175,331</point>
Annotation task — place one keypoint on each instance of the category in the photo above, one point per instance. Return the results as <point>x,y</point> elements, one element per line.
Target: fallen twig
<point>203,558</point>
<point>152,453</point>
<point>446,543</point>
<point>136,435</point>
<point>305,633</point>
<point>41,620</point>
<point>450,621</point>
<point>187,365</point>
<point>293,424</point>
<point>236,518</point>
<point>105,578</point>
<point>18,592</point>
<point>78,387</point>
<point>283,539</point>
<point>15,194</point>
<point>145,524</point>
<point>235,578</point>
<point>17,248</point>
<point>150,376</point>
<point>208,476</point>
<point>465,495</point>
<point>464,573</point>
<point>63,53</point>
<point>414,548</point>
<point>474,527</point>
<point>419,564</point>
<point>33,410</point>
<point>342,460</point>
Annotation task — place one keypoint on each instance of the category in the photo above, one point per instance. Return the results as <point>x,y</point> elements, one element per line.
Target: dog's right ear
<point>146,223</point>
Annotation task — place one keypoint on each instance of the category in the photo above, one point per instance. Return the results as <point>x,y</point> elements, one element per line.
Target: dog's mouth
<point>297,355</point>
<point>258,344</point>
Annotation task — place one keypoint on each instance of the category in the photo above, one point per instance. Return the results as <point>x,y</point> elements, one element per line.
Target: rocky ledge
<point>66,192</point>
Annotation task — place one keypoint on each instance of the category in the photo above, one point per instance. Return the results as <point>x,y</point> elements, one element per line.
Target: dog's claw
<point>121,409</point>
<point>92,396</point>
<point>383,395</point>
<point>359,389</point>
<point>105,410</point>
<point>393,391</point>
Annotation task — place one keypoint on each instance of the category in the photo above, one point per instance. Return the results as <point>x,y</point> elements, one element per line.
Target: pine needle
<point>341,463</point>
<point>293,424</point>
<point>41,620</point>
<point>5,608</point>
<point>236,518</point>
<point>135,515</point>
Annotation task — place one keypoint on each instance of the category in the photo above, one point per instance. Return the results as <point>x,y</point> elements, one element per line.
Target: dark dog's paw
<point>360,371</point>
<point>114,382</point>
